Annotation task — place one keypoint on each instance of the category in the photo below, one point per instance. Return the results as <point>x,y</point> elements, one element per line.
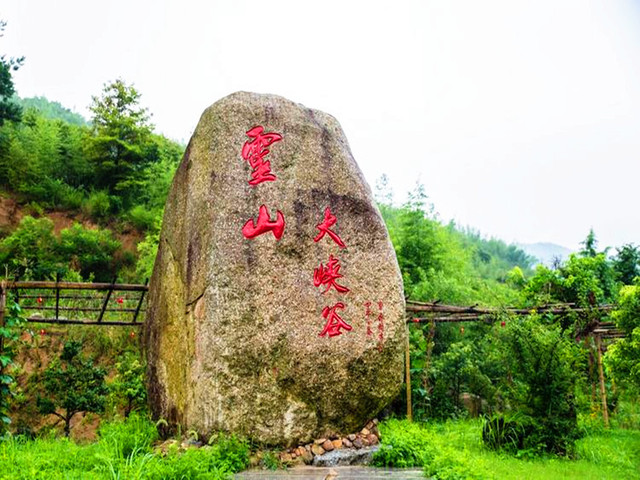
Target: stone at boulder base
<point>276,308</point>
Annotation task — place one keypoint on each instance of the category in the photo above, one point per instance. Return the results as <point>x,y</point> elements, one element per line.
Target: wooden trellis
<point>434,312</point>
<point>98,304</point>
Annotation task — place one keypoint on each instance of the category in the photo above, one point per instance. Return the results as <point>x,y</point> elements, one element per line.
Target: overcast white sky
<point>521,118</point>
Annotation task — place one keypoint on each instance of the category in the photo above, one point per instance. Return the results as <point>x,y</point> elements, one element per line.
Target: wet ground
<point>343,473</point>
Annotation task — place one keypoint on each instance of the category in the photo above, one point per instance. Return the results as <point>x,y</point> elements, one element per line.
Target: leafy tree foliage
<point>9,333</point>
<point>72,384</point>
<point>589,245</point>
<point>585,281</point>
<point>626,263</point>
<point>9,109</point>
<point>623,357</point>
<point>33,251</point>
<point>120,147</point>
<point>543,370</point>
<point>128,385</point>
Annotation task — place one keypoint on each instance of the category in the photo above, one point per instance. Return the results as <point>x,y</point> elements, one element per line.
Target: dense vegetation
<point>533,378</point>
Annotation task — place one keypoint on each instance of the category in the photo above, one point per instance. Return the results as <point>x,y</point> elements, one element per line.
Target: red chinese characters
<point>368,314</point>
<point>325,228</point>
<point>254,152</point>
<point>334,321</point>
<point>264,224</point>
<point>328,275</point>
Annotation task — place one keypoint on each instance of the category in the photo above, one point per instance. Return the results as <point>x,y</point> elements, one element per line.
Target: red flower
<point>503,323</point>
<point>119,300</point>
<point>132,334</point>
<point>39,300</point>
<point>42,331</point>
<point>416,320</point>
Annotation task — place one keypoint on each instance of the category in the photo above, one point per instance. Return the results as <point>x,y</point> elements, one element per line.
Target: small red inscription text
<point>264,224</point>
<point>328,274</point>
<point>334,321</point>
<point>254,152</point>
<point>325,228</point>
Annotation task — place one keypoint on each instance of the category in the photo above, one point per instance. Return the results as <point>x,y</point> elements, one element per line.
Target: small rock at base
<point>370,425</point>
<point>375,421</point>
<point>365,431</point>
<point>307,457</point>
<point>317,449</point>
<point>352,437</point>
<point>320,441</point>
<point>307,447</point>
<point>337,443</point>
<point>285,457</point>
<point>358,443</point>
<point>328,446</point>
<point>372,439</point>
<point>347,443</point>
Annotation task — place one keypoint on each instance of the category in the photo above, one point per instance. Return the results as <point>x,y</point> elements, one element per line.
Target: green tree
<point>623,357</point>
<point>626,263</point>
<point>128,385</point>
<point>543,365</point>
<point>9,109</point>
<point>120,148</point>
<point>73,385</point>
<point>589,245</point>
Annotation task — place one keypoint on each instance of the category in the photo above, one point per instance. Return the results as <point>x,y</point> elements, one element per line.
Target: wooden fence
<point>75,303</point>
<point>434,312</point>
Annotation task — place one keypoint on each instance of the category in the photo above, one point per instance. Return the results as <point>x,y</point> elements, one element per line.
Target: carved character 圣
<point>254,152</point>
<point>264,224</point>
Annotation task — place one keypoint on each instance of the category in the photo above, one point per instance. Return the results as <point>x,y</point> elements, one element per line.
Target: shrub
<point>73,385</point>
<point>97,206</point>
<point>543,366</point>
<point>28,250</point>
<point>128,385</point>
<point>143,218</point>
<point>88,251</point>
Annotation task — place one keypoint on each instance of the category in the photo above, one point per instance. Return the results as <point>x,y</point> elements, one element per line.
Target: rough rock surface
<point>233,325</point>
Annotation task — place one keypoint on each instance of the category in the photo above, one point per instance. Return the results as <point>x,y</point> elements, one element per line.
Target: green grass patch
<point>454,450</point>
<point>123,451</point>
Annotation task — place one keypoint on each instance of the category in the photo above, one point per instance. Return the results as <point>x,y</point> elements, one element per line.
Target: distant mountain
<point>53,110</point>
<point>546,252</point>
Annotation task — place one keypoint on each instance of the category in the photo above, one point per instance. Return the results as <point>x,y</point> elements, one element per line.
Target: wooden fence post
<point>603,391</point>
<point>407,362</point>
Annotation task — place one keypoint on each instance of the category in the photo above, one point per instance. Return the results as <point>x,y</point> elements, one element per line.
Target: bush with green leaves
<point>9,333</point>
<point>34,251</point>
<point>88,251</point>
<point>623,357</point>
<point>128,386</point>
<point>72,384</point>
<point>543,365</point>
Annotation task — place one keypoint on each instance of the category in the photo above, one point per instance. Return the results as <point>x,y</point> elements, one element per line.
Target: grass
<point>123,451</point>
<point>454,450</point>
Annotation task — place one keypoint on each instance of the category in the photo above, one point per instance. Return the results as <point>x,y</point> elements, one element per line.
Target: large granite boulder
<point>276,307</point>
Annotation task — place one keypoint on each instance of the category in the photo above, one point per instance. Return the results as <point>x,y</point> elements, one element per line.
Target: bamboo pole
<point>81,322</point>
<point>603,391</point>
<point>119,287</point>
<point>407,379</point>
